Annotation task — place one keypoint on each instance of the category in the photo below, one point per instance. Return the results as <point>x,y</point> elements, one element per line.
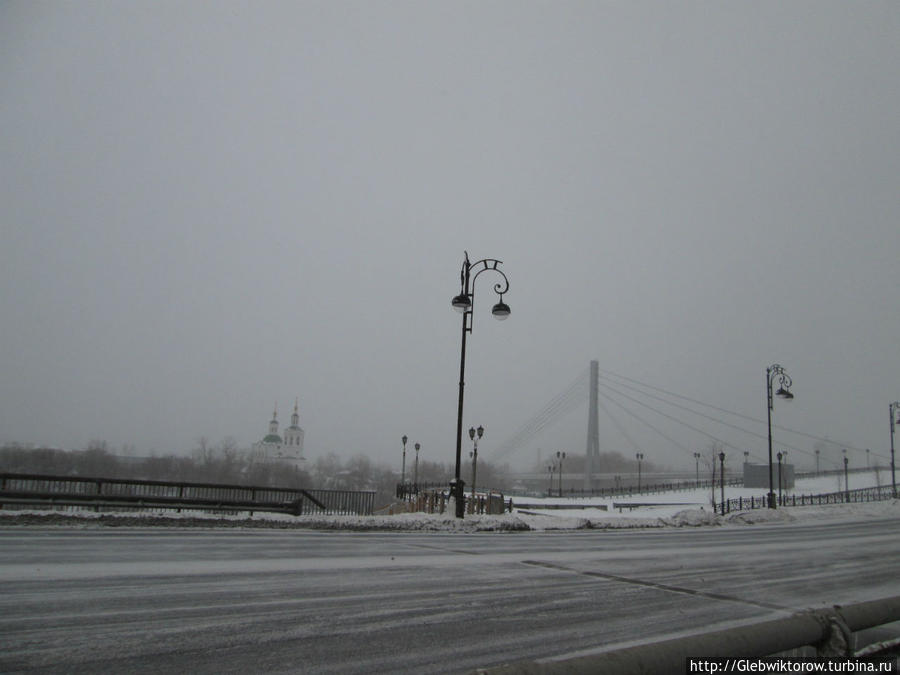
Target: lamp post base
<point>772,501</point>
<point>457,490</point>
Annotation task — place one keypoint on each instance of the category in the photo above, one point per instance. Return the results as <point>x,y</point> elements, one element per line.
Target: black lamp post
<point>403,466</point>
<point>846,482</point>
<point>697,465</point>
<point>779,478</point>
<point>464,303</point>
<point>474,453</point>
<point>817,462</point>
<point>416,480</point>
<point>560,457</point>
<point>639,456</point>
<point>785,381</point>
<point>722,479</point>
<point>895,406</point>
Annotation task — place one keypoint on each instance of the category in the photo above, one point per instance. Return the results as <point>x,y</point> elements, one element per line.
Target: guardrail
<point>829,630</point>
<point>36,490</point>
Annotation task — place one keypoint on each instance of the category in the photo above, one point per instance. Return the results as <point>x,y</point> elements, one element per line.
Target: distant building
<point>275,448</point>
<point>757,476</point>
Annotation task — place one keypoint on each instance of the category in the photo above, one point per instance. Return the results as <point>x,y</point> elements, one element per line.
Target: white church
<point>275,448</point>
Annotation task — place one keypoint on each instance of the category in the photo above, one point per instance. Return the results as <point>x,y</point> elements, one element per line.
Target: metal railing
<point>829,630</point>
<point>628,490</point>
<point>871,494</point>
<point>35,490</point>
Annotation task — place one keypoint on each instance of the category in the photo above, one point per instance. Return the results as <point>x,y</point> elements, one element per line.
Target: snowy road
<point>219,601</point>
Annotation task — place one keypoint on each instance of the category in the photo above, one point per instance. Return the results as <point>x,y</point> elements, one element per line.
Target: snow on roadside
<point>518,521</point>
<point>688,508</point>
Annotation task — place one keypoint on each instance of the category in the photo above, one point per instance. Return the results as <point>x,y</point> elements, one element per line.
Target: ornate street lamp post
<point>464,303</point>
<point>785,383</point>
<point>403,466</point>
<point>560,457</point>
<point>639,456</point>
<point>846,481</point>
<point>780,483</point>
<point>722,479</point>
<point>474,453</point>
<point>416,479</point>
<point>895,406</point>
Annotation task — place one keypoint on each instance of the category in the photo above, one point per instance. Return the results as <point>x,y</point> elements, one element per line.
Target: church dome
<point>272,438</point>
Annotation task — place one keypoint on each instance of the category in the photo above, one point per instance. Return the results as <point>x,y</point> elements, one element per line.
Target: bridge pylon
<point>592,455</point>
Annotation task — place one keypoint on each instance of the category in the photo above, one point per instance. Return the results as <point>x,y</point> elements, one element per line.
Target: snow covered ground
<point>689,508</point>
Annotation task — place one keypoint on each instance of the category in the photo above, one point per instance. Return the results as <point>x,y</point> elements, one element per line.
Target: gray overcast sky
<point>210,207</point>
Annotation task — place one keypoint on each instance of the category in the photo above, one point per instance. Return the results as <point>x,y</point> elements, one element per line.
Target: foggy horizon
<point>208,210</point>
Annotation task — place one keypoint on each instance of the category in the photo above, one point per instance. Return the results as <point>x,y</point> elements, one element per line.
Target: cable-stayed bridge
<point>664,414</point>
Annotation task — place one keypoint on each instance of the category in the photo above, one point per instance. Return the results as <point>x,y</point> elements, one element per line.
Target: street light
<point>464,303</point>
<point>846,482</point>
<point>785,381</point>
<point>474,453</point>
<point>780,484</point>
<point>560,457</point>
<point>697,465</point>
<point>403,467</point>
<point>416,481</point>
<point>894,408</point>
<point>639,456</point>
<point>817,462</point>
<point>722,479</point>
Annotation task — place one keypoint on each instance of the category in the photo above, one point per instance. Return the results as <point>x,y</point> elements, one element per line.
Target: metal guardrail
<point>827,629</point>
<point>38,490</point>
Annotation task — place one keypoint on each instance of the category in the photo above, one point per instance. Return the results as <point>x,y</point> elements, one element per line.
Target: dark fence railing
<point>654,488</point>
<point>872,494</point>
<point>32,490</point>
<point>410,490</point>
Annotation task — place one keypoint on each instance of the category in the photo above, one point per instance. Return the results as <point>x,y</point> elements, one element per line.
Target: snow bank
<point>671,515</point>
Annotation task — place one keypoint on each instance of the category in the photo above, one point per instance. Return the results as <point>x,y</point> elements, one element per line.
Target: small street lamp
<point>639,456</point>
<point>474,453</point>
<point>697,465</point>
<point>560,457</point>
<point>894,408</point>
<point>817,462</point>
<point>416,480</point>
<point>846,482</point>
<point>780,483</point>
<point>403,467</point>
<point>464,304</point>
<point>785,381</point>
<point>722,479</point>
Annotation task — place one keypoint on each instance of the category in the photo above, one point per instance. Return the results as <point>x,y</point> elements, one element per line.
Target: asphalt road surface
<point>248,601</point>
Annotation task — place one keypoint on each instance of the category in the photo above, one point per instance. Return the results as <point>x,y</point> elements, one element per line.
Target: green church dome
<point>272,438</point>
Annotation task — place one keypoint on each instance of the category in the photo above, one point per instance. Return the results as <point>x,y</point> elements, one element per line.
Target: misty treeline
<point>226,463</point>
